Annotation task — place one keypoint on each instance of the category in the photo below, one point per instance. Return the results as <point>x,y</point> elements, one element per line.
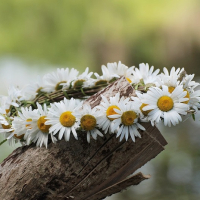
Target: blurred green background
<point>38,36</point>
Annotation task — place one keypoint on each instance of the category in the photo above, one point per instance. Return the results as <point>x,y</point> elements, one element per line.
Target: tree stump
<point>78,170</point>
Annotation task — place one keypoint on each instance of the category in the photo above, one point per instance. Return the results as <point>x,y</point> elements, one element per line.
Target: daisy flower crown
<point>56,107</point>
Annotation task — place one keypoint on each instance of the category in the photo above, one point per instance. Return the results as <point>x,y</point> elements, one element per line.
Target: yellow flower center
<point>67,119</point>
<point>15,135</point>
<point>7,111</point>
<point>129,80</point>
<point>187,96</point>
<point>88,122</point>
<point>110,111</point>
<point>19,136</point>
<point>145,113</point>
<point>39,89</point>
<point>41,124</point>
<point>171,89</point>
<point>128,118</point>
<point>58,86</point>
<point>165,103</point>
<point>6,126</point>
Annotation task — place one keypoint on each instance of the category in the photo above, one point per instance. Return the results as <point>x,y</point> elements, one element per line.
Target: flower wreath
<point>52,107</point>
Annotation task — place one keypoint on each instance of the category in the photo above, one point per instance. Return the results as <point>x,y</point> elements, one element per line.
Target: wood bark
<point>78,170</point>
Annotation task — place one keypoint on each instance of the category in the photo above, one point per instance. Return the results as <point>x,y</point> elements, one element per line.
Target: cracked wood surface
<point>78,170</point>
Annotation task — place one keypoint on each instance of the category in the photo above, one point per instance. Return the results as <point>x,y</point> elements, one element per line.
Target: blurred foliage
<point>81,33</point>
<point>91,33</point>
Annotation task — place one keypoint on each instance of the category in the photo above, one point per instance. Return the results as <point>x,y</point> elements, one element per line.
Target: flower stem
<point>3,142</point>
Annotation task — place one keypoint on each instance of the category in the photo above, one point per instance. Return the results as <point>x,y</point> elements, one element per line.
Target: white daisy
<point>10,136</point>
<point>31,90</point>
<point>112,71</point>
<point>119,70</point>
<point>171,79</point>
<point>88,121</point>
<point>194,100</point>
<point>137,102</point>
<point>39,131</point>
<point>61,117</point>
<point>11,140</point>
<point>8,131</point>
<point>53,81</point>
<point>106,109</point>
<point>22,123</point>
<point>126,121</point>
<point>146,75</point>
<point>4,105</point>
<point>192,94</point>
<point>166,105</point>
<point>5,119</point>
<point>187,84</point>
<point>83,80</point>
<point>106,76</point>
<point>5,127</point>
<point>14,96</point>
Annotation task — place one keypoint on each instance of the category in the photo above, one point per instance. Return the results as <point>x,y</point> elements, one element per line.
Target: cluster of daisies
<point>166,96</point>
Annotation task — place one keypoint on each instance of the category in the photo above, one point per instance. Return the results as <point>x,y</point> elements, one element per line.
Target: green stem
<point>58,95</point>
<point>74,92</point>
<point>3,142</point>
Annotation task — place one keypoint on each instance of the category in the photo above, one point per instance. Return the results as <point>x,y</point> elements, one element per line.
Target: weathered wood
<point>132,180</point>
<point>147,149</point>
<point>76,169</point>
